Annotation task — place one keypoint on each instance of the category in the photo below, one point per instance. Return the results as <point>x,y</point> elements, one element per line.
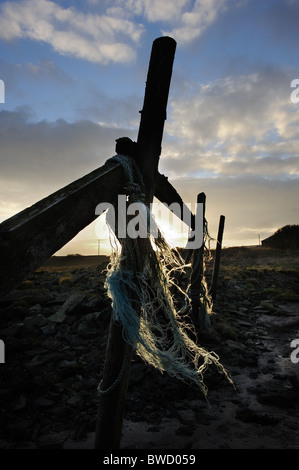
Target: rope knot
<point>134,192</point>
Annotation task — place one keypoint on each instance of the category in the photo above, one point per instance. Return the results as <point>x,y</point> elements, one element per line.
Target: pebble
<point>57,317</point>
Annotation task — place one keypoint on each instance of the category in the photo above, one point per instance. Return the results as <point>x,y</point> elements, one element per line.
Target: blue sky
<point>74,75</point>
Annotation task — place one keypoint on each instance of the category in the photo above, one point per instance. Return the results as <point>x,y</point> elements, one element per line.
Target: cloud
<point>168,10</point>
<point>186,19</point>
<point>151,10</point>
<point>233,126</point>
<point>196,20</point>
<point>112,34</point>
<point>97,38</point>
<point>37,158</point>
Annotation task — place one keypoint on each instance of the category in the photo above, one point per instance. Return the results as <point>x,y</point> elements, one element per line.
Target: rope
<point>120,374</point>
<point>154,323</point>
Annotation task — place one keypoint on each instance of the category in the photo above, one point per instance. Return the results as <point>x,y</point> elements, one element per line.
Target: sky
<point>72,81</point>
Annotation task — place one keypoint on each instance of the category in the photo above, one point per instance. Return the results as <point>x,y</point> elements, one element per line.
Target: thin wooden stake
<point>153,115</point>
<point>197,271</point>
<point>213,289</point>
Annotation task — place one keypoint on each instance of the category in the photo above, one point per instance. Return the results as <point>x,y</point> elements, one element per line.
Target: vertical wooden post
<point>197,271</point>
<point>213,289</point>
<point>153,115</point>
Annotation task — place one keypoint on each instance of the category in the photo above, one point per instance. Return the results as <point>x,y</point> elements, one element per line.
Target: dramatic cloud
<point>112,34</point>
<point>97,38</point>
<point>186,20</point>
<point>151,10</point>
<point>196,20</point>
<point>235,126</point>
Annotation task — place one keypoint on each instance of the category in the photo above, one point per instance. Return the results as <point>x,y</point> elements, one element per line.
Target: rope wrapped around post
<point>143,303</point>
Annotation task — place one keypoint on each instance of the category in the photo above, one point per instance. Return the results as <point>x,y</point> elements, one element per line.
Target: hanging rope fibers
<point>153,322</point>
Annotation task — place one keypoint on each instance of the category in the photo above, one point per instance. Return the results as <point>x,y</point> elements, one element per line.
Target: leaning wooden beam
<point>213,289</point>
<point>111,406</point>
<point>30,237</point>
<point>168,195</point>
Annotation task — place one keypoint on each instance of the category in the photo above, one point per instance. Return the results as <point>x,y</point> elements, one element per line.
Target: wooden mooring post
<point>213,290</point>
<point>148,150</point>
<point>30,237</point>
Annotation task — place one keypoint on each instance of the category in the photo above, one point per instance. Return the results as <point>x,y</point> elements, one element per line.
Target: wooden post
<point>213,289</point>
<point>153,115</point>
<point>197,272</point>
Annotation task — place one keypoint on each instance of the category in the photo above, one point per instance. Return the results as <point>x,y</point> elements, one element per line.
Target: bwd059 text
<point>169,459</point>
<point>151,459</point>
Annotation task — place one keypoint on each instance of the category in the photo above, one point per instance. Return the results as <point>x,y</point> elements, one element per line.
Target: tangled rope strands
<point>143,304</point>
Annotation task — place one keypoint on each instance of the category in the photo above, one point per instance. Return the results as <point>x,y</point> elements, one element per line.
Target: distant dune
<point>73,262</point>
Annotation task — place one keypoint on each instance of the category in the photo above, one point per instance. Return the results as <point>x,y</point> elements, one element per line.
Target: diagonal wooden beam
<point>30,237</point>
<point>167,194</point>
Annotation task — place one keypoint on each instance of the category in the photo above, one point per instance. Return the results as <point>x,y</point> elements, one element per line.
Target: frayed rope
<point>140,289</point>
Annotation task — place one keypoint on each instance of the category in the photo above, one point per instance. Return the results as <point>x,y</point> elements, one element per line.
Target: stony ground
<point>55,328</point>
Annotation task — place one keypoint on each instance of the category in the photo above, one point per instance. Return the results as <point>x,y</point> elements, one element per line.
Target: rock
<point>185,430</point>
<point>35,309</point>
<point>91,317</point>
<point>19,431</point>
<point>72,303</point>
<point>44,403</point>
<point>93,303</point>
<point>53,441</point>
<point>138,372</point>
<point>12,330</point>
<point>284,399</point>
<point>14,312</point>
<point>153,429</point>
<point>31,296</point>
<point>235,345</point>
<point>35,362</point>
<point>244,323</point>
<point>247,415</point>
<point>57,317</point>
<point>20,402</point>
<point>74,400</point>
<point>48,329</point>
<point>34,321</point>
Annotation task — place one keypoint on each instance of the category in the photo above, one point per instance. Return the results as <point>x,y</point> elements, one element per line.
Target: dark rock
<point>53,441</point>
<point>12,330</point>
<point>34,321</point>
<point>185,431</point>
<point>20,402</point>
<point>72,303</point>
<point>247,415</point>
<point>58,317</point>
<point>44,403</point>
<point>284,399</point>
<point>48,329</point>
